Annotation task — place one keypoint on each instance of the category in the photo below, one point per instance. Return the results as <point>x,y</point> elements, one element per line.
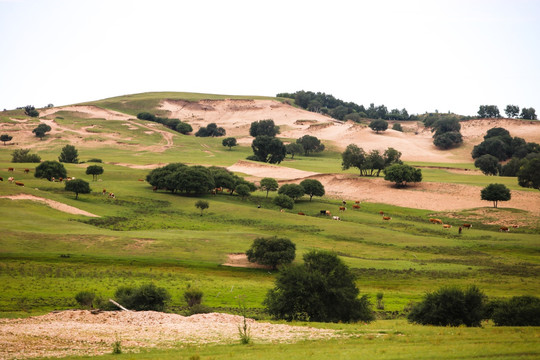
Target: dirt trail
<point>70,333</point>
<point>54,204</point>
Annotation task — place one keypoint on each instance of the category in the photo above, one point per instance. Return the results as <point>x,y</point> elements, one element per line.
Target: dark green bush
<point>518,311</point>
<point>284,201</point>
<point>85,298</point>
<point>272,251</point>
<point>143,298</point>
<point>24,156</point>
<point>95,160</point>
<point>193,297</point>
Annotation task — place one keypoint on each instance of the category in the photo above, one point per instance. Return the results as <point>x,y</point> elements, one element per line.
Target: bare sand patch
<point>89,111</point>
<point>265,170</point>
<point>241,260</point>
<point>54,204</point>
<point>70,333</point>
<point>137,166</point>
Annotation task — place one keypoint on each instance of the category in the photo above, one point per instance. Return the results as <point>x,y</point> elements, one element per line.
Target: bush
<point>24,156</point>
<point>69,154</point>
<point>144,298</point>
<point>210,131</point>
<point>397,127</point>
<point>378,125</point>
<point>184,128</point>
<point>272,251</point>
<point>450,306</point>
<point>85,299</point>
<point>193,297</point>
<point>447,140</point>
<point>95,160</point>
<point>402,174</point>
<point>50,169</point>
<point>488,164</point>
<point>518,311</point>
<point>283,201</point>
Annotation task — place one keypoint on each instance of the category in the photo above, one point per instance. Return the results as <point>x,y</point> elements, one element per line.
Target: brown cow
<point>1,178</point>
<point>356,206</point>
<point>342,208</point>
<point>26,171</point>
<point>386,218</point>
<point>19,183</point>
<point>467,226</point>
<point>381,212</point>
<point>504,228</point>
<point>447,226</point>
<point>515,226</point>
<point>301,213</point>
<point>357,202</point>
<point>10,169</point>
<point>436,221</point>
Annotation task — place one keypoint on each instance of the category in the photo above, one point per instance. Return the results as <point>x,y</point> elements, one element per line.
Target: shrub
<point>518,311</point>
<point>272,251</point>
<point>378,125</point>
<point>85,298</point>
<point>50,169</point>
<point>447,140</point>
<point>450,306</point>
<point>210,131</point>
<point>95,160</point>
<point>402,174</point>
<point>184,128</point>
<point>202,205</point>
<point>283,201</point>
<point>69,154</point>
<point>397,127</point>
<point>193,297</point>
<point>24,156</point>
<point>488,164</point>
<point>29,110</point>
<point>146,297</point>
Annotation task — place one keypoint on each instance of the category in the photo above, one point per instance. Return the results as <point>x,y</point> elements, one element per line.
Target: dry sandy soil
<point>54,204</point>
<point>79,332</point>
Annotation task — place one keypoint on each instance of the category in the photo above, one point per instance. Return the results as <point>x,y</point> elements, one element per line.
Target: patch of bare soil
<point>264,170</point>
<point>88,111</point>
<point>240,260</point>
<point>136,166</point>
<point>54,204</point>
<point>70,333</point>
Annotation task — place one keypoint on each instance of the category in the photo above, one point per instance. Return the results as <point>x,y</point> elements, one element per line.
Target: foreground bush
<point>518,311</point>
<point>272,251</point>
<point>144,298</point>
<point>450,306</point>
<point>85,298</point>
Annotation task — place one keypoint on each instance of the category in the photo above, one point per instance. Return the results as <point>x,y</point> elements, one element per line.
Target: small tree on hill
<point>78,186</point>
<point>293,149</point>
<point>50,169</point>
<point>312,188</point>
<point>272,251</point>
<point>211,130</point>
<point>229,142</point>
<point>243,191</point>
<point>488,164</point>
<point>269,184</point>
<point>183,128</point>
<point>94,170</point>
<point>263,127</point>
<point>5,138</point>
<point>31,111</point>
<point>69,154</point>
<point>284,201</point>
<point>378,125</point>
<point>402,174</point>
<point>495,193</point>
<point>268,149</point>
<point>41,130</point>
<point>202,205</point>
<point>310,144</point>
<point>511,111</point>
<point>294,191</point>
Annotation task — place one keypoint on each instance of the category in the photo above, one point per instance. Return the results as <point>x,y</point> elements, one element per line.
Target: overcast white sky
<point>422,55</point>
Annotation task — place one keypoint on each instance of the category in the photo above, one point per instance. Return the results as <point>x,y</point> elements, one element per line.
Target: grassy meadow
<point>47,256</point>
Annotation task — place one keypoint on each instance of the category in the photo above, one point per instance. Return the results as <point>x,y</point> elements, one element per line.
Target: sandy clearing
<point>54,204</point>
<point>240,260</point>
<point>79,332</point>
<point>89,111</point>
<point>265,170</point>
<point>137,166</point>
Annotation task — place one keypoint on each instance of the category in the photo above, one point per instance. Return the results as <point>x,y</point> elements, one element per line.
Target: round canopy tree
<point>495,193</point>
<point>78,186</point>
<point>268,149</point>
<point>488,164</point>
<point>284,201</point>
<point>263,127</point>
<point>402,174</point>
<point>5,138</point>
<point>312,188</point>
<point>529,174</point>
<point>243,191</point>
<point>40,130</point>
<point>294,191</point>
<point>310,144</point>
<point>378,125</point>
<point>269,184</point>
<point>272,251</point>
<point>229,142</point>
<point>69,154</point>
<point>202,205</point>
<point>50,169</point>
<point>293,149</point>
<point>94,170</point>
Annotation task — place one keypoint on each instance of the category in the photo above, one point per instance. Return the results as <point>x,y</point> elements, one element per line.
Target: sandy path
<point>83,333</point>
<point>54,204</point>
<point>88,111</point>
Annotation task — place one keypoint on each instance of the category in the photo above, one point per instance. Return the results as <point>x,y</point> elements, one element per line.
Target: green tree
<point>147,297</point>
<point>446,125</point>
<point>496,132</point>
<point>183,128</point>
<point>402,174</point>
<point>31,111</point>
<point>512,111</point>
<point>488,111</point>
<point>310,144</point>
<point>495,193</point>
<point>283,201</point>
<point>528,113</point>
<point>529,174</point>
<point>272,251</point>
<point>5,138</point>
<point>391,156</point>
<point>202,205</point>
<point>294,191</point>
<point>268,149</point>
<point>229,142</point>
<point>488,164</point>
<point>450,306</point>
<point>263,127</point>
<point>95,171</point>
<point>448,140</point>
<point>518,311</point>
<point>312,188</point>
<point>41,130</point>
<point>50,169</point>
<point>78,186</point>
<point>378,125</point>
<point>223,178</point>
<point>158,177</point>
<point>322,289</point>
<point>511,168</point>
<point>493,146</point>
<point>212,130</point>
<point>293,149</point>
<point>243,191</point>
<point>69,154</point>
<point>24,156</point>
<point>269,184</point>
<point>353,156</point>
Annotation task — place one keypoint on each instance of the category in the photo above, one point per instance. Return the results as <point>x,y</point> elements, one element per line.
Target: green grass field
<point>47,256</point>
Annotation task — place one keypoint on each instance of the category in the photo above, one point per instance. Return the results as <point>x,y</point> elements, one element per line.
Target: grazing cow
<point>342,208</point>
<point>515,226</point>
<point>467,226</point>
<point>336,218</point>
<point>19,183</point>
<point>504,229</point>
<point>111,195</point>
<point>140,180</point>
<point>356,206</point>
<point>447,226</point>
<point>436,221</point>
<point>386,218</point>
<point>104,192</point>
<point>328,213</point>
<point>10,169</point>
<point>281,210</point>
<point>10,179</point>
<point>344,202</point>
<point>26,171</point>
<point>322,212</point>
<point>301,213</point>
<point>1,178</point>
<point>459,230</point>
<point>62,179</point>
<point>381,212</point>
<point>357,202</point>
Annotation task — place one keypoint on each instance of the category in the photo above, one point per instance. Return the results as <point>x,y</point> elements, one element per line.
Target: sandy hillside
<point>69,333</point>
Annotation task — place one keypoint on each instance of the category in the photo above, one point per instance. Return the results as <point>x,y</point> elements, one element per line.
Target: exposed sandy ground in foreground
<point>83,333</point>
<point>54,204</point>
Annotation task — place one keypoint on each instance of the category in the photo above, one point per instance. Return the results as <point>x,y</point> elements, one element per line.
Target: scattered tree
<point>528,113</point>
<point>310,144</point>
<point>24,156</point>
<point>269,184</point>
<point>229,142</point>
<point>283,201</point>
<point>511,168</point>
<point>448,140</point>
<point>78,186</point>
<point>312,188</point>
<point>402,174</point>
<point>268,149</point>
<point>488,164</point>
<point>272,251</point>
<point>212,130</point>
<point>495,146</point>
<point>293,149</point>
<point>529,174</point>
<point>243,191</point>
<point>294,191</point>
<point>322,289</point>
<point>183,128</point>
<point>518,311</point>
<point>495,193</point>
<point>488,111</point>
<point>5,138</point>
<point>378,125</point>
<point>31,111</point>
<point>263,127</point>
<point>41,130</point>
<point>511,111</point>
<point>202,205</point>
<point>50,169</point>
<point>95,171</point>
<point>69,154</point>
<point>450,306</point>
